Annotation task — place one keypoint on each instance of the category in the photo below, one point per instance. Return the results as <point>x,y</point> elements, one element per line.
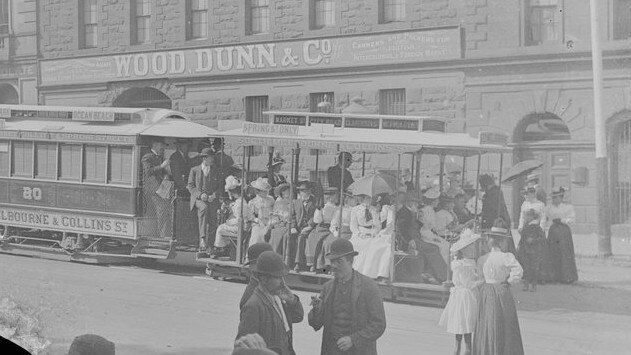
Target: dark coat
<point>408,227</point>
<point>369,318</point>
<point>152,172</point>
<point>258,315</point>
<point>195,183</point>
<point>249,290</point>
<point>493,207</point>
<point>180,168</point>
<point>334,175</point>
<point>303,214</point>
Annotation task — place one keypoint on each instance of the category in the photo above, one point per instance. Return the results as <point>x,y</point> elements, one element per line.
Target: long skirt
<point>314,243</point>
<point>258,234</point>
<point>497,328</point>
<point>561,263</point>
<point>278,237</point>
<point>376,262</point>
<point>443,246</point>
<point>461,311</point>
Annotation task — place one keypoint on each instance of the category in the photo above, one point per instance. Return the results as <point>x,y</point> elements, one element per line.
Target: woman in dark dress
<point>561,264</point>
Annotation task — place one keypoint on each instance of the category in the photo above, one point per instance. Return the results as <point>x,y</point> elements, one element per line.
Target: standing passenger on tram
<point>180,165</point>
<point>274,176</point>
<point>205,184</point>
<point>376,264</point>
<point>365,224</point>
<point>154,170</point>
<point>430,228</point>
<point>240,213</point>
<point>304,208</point>
<point>279,222</point>
<point>334,174</point>
<point>261,207</point>
<point>319,238</point>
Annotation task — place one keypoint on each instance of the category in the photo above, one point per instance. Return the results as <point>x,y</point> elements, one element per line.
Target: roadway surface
<point>146,311</point>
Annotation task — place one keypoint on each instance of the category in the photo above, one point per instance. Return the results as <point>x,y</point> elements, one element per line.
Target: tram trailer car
<point>71,183</point>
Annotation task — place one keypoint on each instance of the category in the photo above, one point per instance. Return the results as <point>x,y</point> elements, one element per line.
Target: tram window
<point>45,160</point>
<point>70,169</point>
<point>23,159</point>
<point>94,163</point>
<point>4,158</point>
<point>120,165</point>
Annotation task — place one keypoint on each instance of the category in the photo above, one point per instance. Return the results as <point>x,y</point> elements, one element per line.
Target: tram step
<point>154,250</point>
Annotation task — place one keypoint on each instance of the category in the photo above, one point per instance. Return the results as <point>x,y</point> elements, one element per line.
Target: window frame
<point>313,18</point>
<point>30,175</point>
<point>249,29</point>
<point>7,25</point>
<point>98,179</point>
<point>9,155</point>
<point>315,96</point>
<point>250,108</point>
<point>382,12</point>
<point>110,180</point>
<point>134,17</point>
<point>190,20</point>
<point>36,162</point>
<point>382,98</point>
<point>615,10</point>
<point>83,25</point>
<point>60,162</point>
<point>559,16</point>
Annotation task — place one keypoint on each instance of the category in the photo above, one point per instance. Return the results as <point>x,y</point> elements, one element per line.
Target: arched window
<point>619,135</point>
<point>8,95</point>
<point>143,97</point>
<point>541,127</point>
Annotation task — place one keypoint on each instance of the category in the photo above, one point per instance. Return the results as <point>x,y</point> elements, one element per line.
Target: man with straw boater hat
<point>349,307</point>
<point>272,308</point>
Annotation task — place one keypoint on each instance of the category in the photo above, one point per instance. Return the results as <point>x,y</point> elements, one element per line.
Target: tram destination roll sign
<point>388,48</point>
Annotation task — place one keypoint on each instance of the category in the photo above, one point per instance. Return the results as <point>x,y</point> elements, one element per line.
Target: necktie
<point>368,215</point>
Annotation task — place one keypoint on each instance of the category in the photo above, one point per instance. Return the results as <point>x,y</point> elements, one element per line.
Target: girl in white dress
<point>459,315</point>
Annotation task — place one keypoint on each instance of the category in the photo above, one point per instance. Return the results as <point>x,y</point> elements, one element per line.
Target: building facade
<point>18,52</point>
<point>522,67</point>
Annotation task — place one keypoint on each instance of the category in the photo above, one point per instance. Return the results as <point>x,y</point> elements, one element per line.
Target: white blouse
<point>498,267</point>
<point>564,212</point>
<point>534,205</point>
<point>360,226</point>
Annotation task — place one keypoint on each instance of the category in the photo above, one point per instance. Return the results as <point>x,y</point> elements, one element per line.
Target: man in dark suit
<point>350,307</point>
<point>273,308</point>
<point>432,267</point>
<point>334,174</point>
<point>205,184</point>
<point>301,225</point>
<point>181,165</point>
<point>493,204</point>
<point>154,170</point>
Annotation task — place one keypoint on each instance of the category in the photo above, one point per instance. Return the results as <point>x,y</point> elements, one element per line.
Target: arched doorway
<point>619,141</point>
<point>544,137</point>
<point>143,97</point>
<point>8,95</point>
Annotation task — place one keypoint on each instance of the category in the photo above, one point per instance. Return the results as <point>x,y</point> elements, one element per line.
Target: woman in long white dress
<point>377,260</point>
<point>365,225</point>
<point>261,207</point>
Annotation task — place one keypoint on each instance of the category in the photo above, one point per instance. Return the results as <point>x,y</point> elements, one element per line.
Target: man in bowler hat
<point>253,253</point>
<point>272,308</point>
<point>349,308</point>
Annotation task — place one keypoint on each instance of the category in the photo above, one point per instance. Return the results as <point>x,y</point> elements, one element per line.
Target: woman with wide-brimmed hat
<point>377,262</point>
<point>279,222</point>
<point>365,225</point>
<point>240,213</point>
<point>497,327</point>
<point>261,207</point>
<point>561,263</point>
<point>430,227</point>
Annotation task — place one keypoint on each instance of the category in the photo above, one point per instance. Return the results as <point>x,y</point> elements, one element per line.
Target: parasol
<point>449,168</point>
<point>373,185</point>
<point>522,168</point>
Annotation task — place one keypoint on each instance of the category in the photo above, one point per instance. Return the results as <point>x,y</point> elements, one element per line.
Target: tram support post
<point>464,167</point>
<point>244,184</point>
<point>602,176</point>
<point>441,173</point>
<point>286,253</point>
<point>394,229</point>
<point>341,186</point>
<point>477,186</point>
<point>499,183</point>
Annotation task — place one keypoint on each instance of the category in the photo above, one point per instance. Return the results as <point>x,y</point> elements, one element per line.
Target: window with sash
<point>46,160</point>
<point>22,159</point>
<point>622,19</point>
<point>197,14</point>
<point>254,107</point>
<point>321,102</point>
<point>121,165</point>
<point>4,17</point>
<point>141,21</point>
<point>94,163</point>
<point>88,19</point>
<point>322,13</point>
<point>5,158</point>
<point>391,11</point>
<point>392,102</point>
<point>257,16</point>
<point>69,156</point>
<point>544,22</point>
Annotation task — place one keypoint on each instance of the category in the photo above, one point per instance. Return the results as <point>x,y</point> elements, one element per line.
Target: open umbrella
<point>522,168</point>
<point>449,168</point>
<point>373,185</point>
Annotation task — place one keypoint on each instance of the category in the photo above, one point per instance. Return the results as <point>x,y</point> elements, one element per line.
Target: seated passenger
<point>344,231</point>
<point>376,263</point>
<point>279,222</point>
<point>432,267</point>
<point>303,210</point>
<point>460,209</point>
<point>446,220</point>
<point>430,228</point>
<point>261,207</point>
<point>240,213</point>
<point>365,224</point>
<point>321,237</point>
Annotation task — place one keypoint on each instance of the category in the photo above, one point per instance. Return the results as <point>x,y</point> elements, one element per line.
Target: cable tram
<point>71,182</point>
<point>309,139</point>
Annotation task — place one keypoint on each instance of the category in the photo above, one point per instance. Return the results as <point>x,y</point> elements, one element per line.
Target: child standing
<point>531,249</point>
<point>459,316</point>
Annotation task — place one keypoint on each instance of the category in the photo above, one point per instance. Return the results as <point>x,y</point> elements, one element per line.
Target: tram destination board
<point>400,124</point>
<point>353,122</point>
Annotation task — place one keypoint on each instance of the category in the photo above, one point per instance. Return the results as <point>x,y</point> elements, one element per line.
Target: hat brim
<point>332,257</point>
<point>282,273</point>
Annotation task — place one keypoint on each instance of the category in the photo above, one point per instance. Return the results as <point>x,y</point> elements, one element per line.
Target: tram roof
<point>359,139</point>
<point>102,121</point>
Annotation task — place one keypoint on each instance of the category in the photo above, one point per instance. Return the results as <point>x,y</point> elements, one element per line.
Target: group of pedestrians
<point>349,310</point>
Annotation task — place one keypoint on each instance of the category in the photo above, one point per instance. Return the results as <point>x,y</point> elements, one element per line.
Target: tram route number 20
<point>31,193</point>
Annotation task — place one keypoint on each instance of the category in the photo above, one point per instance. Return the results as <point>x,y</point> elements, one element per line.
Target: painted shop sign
<point>17,71</point>
<point>77,223</point>
<point>68,137</point>
<point>337,52</point>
